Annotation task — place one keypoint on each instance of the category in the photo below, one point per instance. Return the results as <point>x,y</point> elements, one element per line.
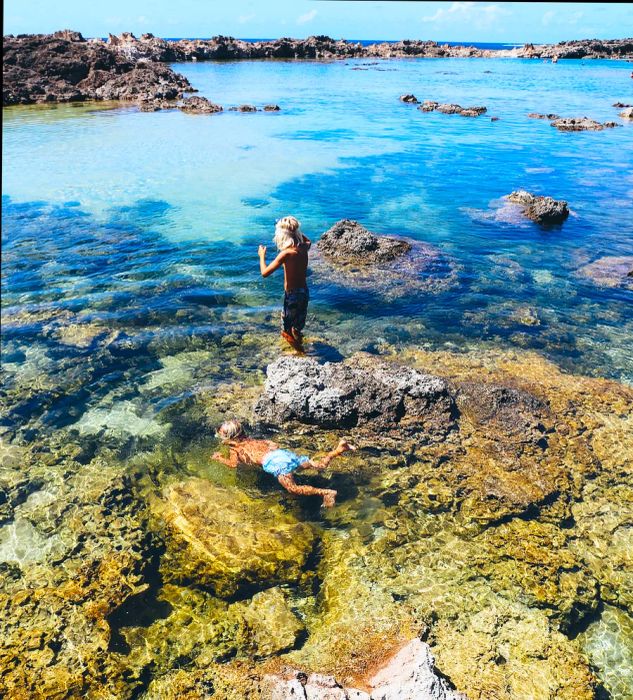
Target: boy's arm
<point>276,263</point>
<point>230,462</point>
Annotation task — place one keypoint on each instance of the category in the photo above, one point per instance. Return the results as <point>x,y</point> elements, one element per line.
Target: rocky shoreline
<point>66,67</point>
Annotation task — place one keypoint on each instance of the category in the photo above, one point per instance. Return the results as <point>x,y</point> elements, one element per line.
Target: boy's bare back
<point>295,264</point>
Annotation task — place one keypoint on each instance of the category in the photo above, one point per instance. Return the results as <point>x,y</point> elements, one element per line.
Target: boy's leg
<point>289,483</point>
<point>342,447</point>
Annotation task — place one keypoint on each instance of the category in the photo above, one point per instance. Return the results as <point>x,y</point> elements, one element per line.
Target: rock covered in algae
<point>228,542</point>
<point>392,266</point>
<point>361,391</point>
<point>205,630</point>
<point>609,644</point>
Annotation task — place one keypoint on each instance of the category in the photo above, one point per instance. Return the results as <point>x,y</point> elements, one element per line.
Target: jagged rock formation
<point>384,264</point>
<point>581,124</point>
<point>198,105</point>
<point>431,106</point>
<point>542,210</point>
<point>64,67</point>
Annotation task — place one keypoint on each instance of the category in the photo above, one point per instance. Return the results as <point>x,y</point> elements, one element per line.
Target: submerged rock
<point>225,541</point>
<point>199,105</point>
<point>350,242</point>
<point>542,210</point>
<point>271,108</point>
<point>361,392</point>
<point>243,108</point>
<point>537,115</point>
<point>410,99</point>
<point>610,271</point>
<point>627,113</point>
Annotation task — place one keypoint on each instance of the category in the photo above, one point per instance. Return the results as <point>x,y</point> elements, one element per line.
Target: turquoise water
<point>146,224</point>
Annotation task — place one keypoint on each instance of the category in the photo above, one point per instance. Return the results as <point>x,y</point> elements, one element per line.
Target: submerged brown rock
<point>610,271</point>
<point>580,124</point>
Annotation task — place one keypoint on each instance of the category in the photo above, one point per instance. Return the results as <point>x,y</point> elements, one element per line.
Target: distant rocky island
<point>66,67</point>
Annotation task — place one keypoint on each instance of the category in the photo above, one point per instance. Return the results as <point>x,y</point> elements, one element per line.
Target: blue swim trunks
<point>280,462</point>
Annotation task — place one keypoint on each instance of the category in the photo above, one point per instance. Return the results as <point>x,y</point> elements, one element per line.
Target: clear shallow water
<point>130,279</point>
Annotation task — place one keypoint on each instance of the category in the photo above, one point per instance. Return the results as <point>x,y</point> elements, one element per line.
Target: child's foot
<point>329,499</point>
<point>292,341</point>
<point>344,446</point>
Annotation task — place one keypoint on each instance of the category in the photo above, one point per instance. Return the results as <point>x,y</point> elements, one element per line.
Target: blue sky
<point>447,21</point>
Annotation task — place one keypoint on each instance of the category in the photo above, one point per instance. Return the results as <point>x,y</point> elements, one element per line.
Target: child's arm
<point>231,461</point>
<point>307,241</point>
<point>276,263</point>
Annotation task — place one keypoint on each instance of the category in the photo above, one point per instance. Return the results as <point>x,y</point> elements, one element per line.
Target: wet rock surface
<point>542,210</point>
<point>347,241</point>
<point>64,67</point>
<point>198,105</point>
<point>430,106</point>
<point>228,542</point>
<point>580,124</point>
<point>361,391</point>
<point>392,266</point>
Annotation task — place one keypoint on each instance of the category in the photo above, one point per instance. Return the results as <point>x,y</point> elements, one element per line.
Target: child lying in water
<point>293,248</point>
<point>280,463</point>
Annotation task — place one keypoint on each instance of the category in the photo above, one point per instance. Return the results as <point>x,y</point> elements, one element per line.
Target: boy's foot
<point>292,341</point>
<point>344,446</point>
<point>329,499</point>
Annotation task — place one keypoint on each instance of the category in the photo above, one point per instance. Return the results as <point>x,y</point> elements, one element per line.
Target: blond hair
<point>288,233</point>
<point>230,430</point>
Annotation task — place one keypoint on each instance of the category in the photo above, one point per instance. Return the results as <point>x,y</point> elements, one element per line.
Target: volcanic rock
<point>580,124</point>
<point>348,241</point>
<point>271,108</point>
<point>430,106</point>
<point>537,115</point>
<point>361,392</point>
<point>620,105</point>
<point>243,108</point>
<point>411,99</point>
<point>63,67</point>
<point>543,210</point>
<point>627,113</point>
<point>199,105</point>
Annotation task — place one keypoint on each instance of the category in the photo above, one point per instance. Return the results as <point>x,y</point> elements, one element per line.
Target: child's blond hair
<point>230,430</point>
<point>288,233</point>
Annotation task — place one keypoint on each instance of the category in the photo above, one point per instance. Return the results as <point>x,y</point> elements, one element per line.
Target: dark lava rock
<point>243,108</point>
<point>348,241</point>
<point>543,210</point>
<point>578,124</point>
<point>620,105</point>
<point>350,255</point>
<point>537,115</point>
<point>410,99</point>
<point>63,67</point>
<point>494,119</point>
<point>271,108</point>
<point>199,105</point>
<point>431,106</point>
<point>361,392</point>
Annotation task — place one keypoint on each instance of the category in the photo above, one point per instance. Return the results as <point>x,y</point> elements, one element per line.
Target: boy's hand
<point>262,251</point>
<point>216,455</point>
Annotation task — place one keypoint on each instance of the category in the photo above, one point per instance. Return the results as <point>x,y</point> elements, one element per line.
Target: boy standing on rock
<point>280,463</point>
<point>293,248</point>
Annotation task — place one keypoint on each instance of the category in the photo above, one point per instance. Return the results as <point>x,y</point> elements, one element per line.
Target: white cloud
<point>479,16</point>
<point>576,17</point>
<point>308,17</point>
<point>547,18</point>
<point>243,19</point>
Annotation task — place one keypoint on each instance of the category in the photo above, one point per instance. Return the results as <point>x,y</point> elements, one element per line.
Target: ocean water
<point>131,286</point>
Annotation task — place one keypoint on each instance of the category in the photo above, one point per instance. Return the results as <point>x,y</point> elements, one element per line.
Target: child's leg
<point>289,483</point>
<point>320,464</point>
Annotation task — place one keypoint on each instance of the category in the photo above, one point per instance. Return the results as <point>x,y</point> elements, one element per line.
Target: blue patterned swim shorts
<point>280,462</point>
<point>295,309</point>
